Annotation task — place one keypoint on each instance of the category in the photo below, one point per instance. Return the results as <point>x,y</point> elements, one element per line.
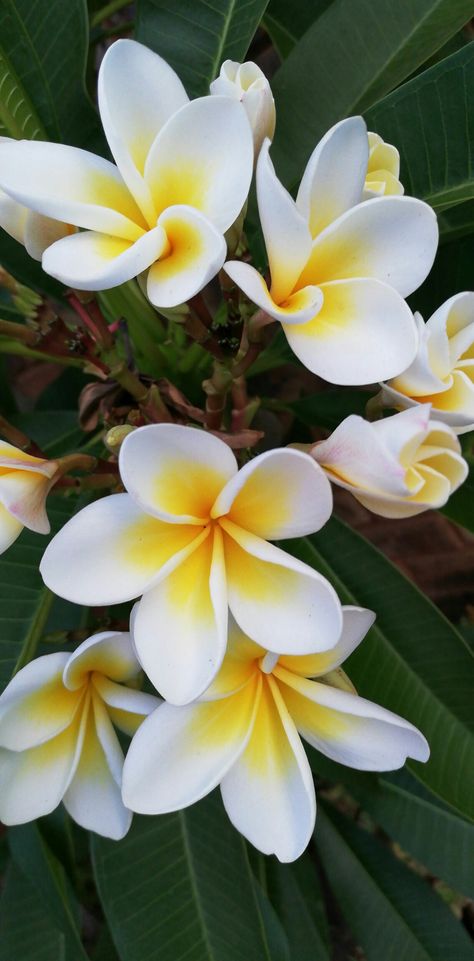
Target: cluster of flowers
<point>242,641</point>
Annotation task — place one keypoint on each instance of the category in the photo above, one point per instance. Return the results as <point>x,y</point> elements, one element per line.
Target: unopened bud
<point>115,437</point>
<point>247,83</point>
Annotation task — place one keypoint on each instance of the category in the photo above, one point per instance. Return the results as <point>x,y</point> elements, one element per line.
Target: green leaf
<point>27,931</point>
<point>299,921</point>
<point>195,36</point>
<point>456,222</point>
<point>355,53</point>
<point>413,661</point>
<point>56,432</point>
<point>451,272</point>
<point>32,855</point>
<point>287,22</point>
<point>26,602</point>
<point>45,44</point>
<point>431,121</point>
<point>393,913</point>
<point>460,507</point>
<point>14,258</point>
<point>190,892</point>
<point>330,407</point>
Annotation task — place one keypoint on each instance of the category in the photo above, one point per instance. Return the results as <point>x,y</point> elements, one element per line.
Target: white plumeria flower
<point>57,740</point>
<point>192,535</point>
<point>31,229</point>
<point>247,82</point>
<point>340,268</point>
<point>182,176</point>
<point>25,482</point>
<point>383,169</point>
<point>396,467</point>
<point>244,735</point>
<point>442,373</point>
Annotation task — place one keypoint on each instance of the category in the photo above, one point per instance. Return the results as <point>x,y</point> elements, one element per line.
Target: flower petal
<point>297,309</point>
<point>364,327</point>
<point>14,458</point>
<point>179,754</point>
<point>110,653</point>
<point>268,793</point>
<point>356,454</point>
<point>356,622</point>
<point>197,253</point>
<point>111,552</point>
<point>126,707</point>
<point>460,422</point>
<point>10,529</point>
<point>35,706</point>
<point>41,232</point>
<point>285,230</point>
<point>33,782</point>
<point>175,472</point>
<point>23,493</point>
<point>93,261</point>
<point>277,494</point>
<point>238,666</point>
<point>93,798</point>
<point>393,239</point>
<point>70,185</point>
<point>279,602</point>
<point>349,729</point>
<point>137,93</point>
<point>203,157</point>
<point>180,629</point>
<point>335,173</point>
<point>12,217</point>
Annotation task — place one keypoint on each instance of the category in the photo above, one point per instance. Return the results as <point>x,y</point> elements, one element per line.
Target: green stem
<point>110,8</point>
<point>14,347</point>
<point>35,632</point>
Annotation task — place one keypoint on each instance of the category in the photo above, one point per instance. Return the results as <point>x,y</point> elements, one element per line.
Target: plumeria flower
<point>57,738</point>
<point>340,268</point>
<point>31,229</point>
<point>191,535</point>
<point>383,169</point>
<point>442,372</point>
<point>396,467</point>
<point>247,83</point>
<point>182,176</point>
<point>25,482</point>
<point>245,735</point>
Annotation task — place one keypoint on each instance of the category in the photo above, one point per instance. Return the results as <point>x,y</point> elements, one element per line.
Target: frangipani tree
<point>229,727</point>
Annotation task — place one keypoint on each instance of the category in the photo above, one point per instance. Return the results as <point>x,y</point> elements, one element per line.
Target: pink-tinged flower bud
<point>396,467</point>
<point>247,83</point>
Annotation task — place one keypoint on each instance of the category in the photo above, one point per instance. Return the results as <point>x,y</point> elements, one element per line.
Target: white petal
<point>357,621</point>
<point>180,754</point>
<point>238,665</point>
<point>349,729</point>
<point>402,433</point>
<point>364,327</point>
<point>175,472</point>
<point>393,239</point>
<point>10,529</point>
<point>268,793</point>
<point>110,653</point>
<point>197,253</point>
<point>23,493</point>
<point>111,552</point>
<point>203,157</point>
<point>35,706</point>
<point>299,307</point>
<point>33,782</point>
<point>41,232</point>
<point>137,93</point>
<point>421,377</point>
<point>335,173</point>
<point>279,602</point>
<point>180,629</point>
<point>93,261</point>
<point>285,230</point>
<point>277,494</point>
<point>12,217</point>
<point>93,798</point>
<point>70,185</point>
<point>126,707</point>
<point>356,454</point>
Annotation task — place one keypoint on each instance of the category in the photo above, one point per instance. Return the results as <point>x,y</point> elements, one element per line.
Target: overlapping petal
<point>349,729</point>
<point>277,495</point>
<point>95,261</point>
<point>180,754</point>
<point>334,177</point>
<point>356,622</point>
<point>268,792</point>
<point>110,653</point>
<point>194,255</point>
<point>175,472</point>
<point>10,529</point>
<point>203,149</point>
<point>111,551</point>
<point>298,308</point>
<point>35,706</point>
<point>279,602</point>
<point>364,326</point>
<point>23,494</point>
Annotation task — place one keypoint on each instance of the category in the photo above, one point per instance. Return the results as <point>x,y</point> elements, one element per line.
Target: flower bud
<point>383,169</point>
<point>247,83</point>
